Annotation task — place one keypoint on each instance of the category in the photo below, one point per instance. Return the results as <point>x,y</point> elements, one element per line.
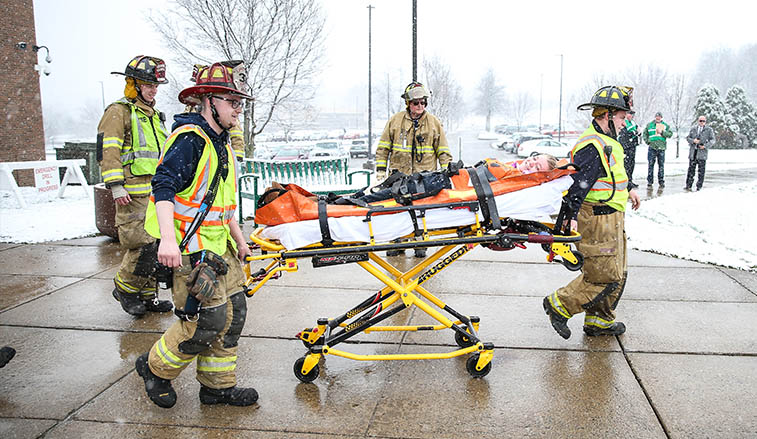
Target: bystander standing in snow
<point>700,138</point>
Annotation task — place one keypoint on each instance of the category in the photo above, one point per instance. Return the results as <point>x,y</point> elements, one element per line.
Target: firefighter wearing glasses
<point>201,247</point>
<point>130,137</point>
<point>597,203</point>
<point>413,141</point>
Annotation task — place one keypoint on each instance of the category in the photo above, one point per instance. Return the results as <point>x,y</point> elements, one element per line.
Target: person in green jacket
<point>655,136</point>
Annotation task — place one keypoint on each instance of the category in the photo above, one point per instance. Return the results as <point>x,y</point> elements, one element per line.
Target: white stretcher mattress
<point>535,203</point>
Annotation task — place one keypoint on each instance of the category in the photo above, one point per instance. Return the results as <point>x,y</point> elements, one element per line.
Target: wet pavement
<point>687,367</point>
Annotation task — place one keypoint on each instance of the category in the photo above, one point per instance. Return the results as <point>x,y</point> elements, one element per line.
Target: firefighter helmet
<point>610,97</point>
<point>415,90</point>
<point>221,77</point>
<point>146,68</point>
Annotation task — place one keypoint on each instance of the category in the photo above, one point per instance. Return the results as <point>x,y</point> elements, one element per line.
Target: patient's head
<point>538,163</point>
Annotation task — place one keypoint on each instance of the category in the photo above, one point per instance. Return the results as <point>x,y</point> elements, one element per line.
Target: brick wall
<point>22,135</point>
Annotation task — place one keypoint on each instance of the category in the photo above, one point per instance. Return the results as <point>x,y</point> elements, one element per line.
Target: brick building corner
<point>22,136</point>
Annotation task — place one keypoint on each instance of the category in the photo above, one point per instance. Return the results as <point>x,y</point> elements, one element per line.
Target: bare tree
<point>280,41</point>
<point>491,99</point>
<point>447,94</point>
<point>678,103</point>
<point>650,84</point>
<point>520,105</point>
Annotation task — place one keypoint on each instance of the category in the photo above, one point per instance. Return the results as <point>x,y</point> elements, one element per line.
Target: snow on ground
<point>709,226</point>
<point>46,218</point>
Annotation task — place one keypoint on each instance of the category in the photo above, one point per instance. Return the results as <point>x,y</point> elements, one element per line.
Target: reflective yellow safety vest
<point>147,138</point>
<point>652,131</point>
<point>603,187</point>
<point>214,230</point>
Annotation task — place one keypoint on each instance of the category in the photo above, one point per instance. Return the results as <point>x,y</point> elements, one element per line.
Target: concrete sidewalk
<point>687,367</point>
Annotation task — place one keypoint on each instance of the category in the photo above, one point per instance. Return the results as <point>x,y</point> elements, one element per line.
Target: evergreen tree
<point>741,117</point>
<point>708,104</point>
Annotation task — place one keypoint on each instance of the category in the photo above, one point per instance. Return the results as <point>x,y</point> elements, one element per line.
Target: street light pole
<point>370,107</point>
<point>415,40</point>
<point>559,119</point>
<point>541,93</point>
<point>102,93</point>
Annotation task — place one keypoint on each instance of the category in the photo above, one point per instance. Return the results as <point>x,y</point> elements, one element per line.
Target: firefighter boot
<point>240,396</point>
<point>6,353</point>
<point>153,304</point>
<point>616,328</point>
<point>158,389</point>
<point>420,252</point>
<point>131,303</point>
<point>559,323</point>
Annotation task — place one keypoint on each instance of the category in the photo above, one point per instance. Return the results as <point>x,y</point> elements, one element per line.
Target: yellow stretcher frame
<point>402,290</point>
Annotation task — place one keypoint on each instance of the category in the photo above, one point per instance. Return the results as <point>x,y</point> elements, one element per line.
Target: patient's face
<point>535,163</point>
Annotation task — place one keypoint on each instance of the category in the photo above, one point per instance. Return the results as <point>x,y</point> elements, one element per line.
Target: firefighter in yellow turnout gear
<point>129,140</point>
<point>413,141</point>
<point>192,211</point>
<point>597,202</point>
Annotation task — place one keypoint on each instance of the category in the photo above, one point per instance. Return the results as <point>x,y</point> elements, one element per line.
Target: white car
<point>327,150</point>
<point>544,146</point>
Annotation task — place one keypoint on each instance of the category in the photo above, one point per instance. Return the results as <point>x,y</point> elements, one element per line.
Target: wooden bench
<point>73,174</point>
<point>319,176</point>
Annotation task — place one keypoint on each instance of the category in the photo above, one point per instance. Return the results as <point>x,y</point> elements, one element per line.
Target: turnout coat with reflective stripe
<point>604,185</point>
<point>214,230</point>
<point>395,147</point>
<point>132,136</point>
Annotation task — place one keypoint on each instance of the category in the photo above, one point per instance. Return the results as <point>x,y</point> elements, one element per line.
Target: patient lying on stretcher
<point>429,183</point>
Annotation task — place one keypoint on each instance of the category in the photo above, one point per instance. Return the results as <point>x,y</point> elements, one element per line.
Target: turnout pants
<point>599,287</point>
<point>212,337</point>
<point>136,274</point>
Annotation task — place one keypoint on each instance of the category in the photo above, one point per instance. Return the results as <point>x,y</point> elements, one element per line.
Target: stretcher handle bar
<point>333,251</point>
<point>470,205</point>
<point>541,239</point>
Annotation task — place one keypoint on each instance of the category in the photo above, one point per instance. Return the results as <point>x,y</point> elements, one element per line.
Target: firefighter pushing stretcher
<point>201,245</point>
<point>597,203</point>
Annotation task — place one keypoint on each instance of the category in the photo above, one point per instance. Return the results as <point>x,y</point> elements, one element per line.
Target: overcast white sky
<point>521,40</point>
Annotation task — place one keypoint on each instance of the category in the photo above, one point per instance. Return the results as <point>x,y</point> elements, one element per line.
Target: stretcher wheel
<point>470,365</point>
<point>577,266</point>
<point>462,340</point>
<point>312,375</point>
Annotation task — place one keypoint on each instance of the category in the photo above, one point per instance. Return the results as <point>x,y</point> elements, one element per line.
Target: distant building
<point>22,137</point>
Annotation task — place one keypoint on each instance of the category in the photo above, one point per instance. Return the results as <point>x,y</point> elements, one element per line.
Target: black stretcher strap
<point>485,195</point>
<point>323,222</point>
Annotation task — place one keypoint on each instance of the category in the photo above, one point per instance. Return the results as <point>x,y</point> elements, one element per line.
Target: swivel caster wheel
<point>310,376</point>
<point>470,365</point>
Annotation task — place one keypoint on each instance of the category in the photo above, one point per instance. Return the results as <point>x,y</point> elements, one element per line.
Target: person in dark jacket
<point>629,139</point>
<point>700,138</point>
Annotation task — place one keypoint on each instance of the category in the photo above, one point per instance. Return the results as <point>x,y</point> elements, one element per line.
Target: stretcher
<point>483,225</point>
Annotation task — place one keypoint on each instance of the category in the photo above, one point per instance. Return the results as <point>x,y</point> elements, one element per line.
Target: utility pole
<point>370,108</point>
<point>541,92</point>
<point>415,40</point>
<point>559,119</point>
<point>102,93</point>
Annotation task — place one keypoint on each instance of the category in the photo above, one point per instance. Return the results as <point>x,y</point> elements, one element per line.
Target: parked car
<point>290,153</point>
<point>359,148</point>
<point>524,136</point>
<point>504,142</point>
<point>327,150</point>
<point>263,152</point>
<point>544,146</point>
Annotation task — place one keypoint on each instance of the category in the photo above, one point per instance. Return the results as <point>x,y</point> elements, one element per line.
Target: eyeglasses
<point>702,120</point>
<point>419,102</point>
<point>235,103</point>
